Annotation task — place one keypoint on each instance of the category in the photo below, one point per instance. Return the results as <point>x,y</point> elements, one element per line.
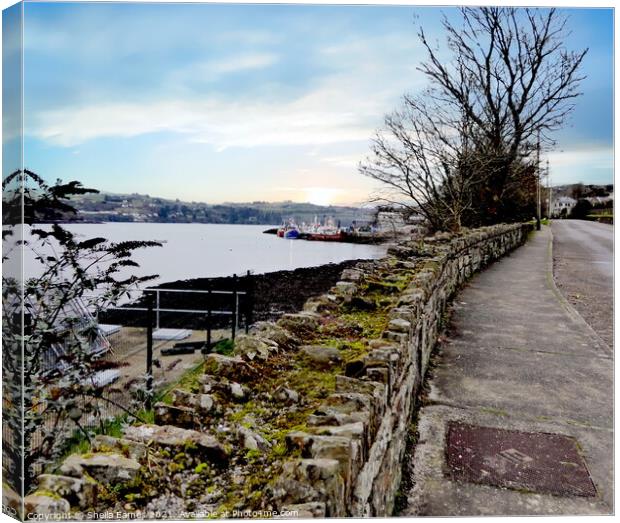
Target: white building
<point>562,206</point>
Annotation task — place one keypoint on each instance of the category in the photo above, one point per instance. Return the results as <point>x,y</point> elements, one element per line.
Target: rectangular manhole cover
<point>535,461</point>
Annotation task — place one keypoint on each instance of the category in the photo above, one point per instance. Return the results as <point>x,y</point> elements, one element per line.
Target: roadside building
<point>562,206</point>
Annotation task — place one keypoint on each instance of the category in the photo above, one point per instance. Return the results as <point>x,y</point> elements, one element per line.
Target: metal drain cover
<point>535,461</point>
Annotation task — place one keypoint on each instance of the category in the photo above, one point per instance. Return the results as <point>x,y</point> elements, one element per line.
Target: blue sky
<point>251,102</point>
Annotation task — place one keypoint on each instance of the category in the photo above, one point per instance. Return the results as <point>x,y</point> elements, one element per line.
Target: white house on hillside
<point>562,206</point>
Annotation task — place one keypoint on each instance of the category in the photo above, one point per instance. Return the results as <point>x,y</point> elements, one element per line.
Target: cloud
<point>212,70</point>
<point>596,157</point>
<point>344,103</point>
<point>344,107</point>
<point>248,37</point>
<point>348,161</point>
<point>242,63</point>
<point>221,124</point>
<point>593,164</point>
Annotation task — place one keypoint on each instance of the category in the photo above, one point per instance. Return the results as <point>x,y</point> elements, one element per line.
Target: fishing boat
<point>289,231</point>
<point>327,236</point>
<point>329,231</point>
<point>291,234</point>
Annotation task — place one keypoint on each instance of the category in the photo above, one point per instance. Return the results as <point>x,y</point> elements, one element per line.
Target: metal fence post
<point>149,352</point>
<point>157,307</point>
<point>234,306</point>
<point>249,296</point>
<point>209,308</point>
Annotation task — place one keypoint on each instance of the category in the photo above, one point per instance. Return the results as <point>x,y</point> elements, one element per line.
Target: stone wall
<point>350,458</point>
<point>310,414</point>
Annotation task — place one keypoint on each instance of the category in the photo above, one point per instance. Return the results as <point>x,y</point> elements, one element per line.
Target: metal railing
<point>209,293</point>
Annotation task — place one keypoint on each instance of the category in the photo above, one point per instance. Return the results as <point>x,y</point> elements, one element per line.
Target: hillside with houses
<point>579,200</point>
<point>106,207</point>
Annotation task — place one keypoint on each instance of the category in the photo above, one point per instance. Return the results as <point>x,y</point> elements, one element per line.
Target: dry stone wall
<point>351,456</point>
<point>310,414</point>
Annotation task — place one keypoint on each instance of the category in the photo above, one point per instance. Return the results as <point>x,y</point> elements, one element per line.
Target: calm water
<point>209,250</point>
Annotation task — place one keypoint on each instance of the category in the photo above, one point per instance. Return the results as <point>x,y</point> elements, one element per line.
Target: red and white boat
<point>327,236</point>
<point>328,232</point>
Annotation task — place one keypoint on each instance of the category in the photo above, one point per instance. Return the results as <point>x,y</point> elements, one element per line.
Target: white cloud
<point>593,164</point>
<point>595,157</point>
<point>219,123</point>
<point>212,70</point>
<point>247,37</point>
<point>341,109</point>
<point>344,106</point>
<point>348,161</point>
<point>243,63</point>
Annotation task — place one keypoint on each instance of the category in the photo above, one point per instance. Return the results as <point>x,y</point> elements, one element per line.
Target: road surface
<point>583,267</point>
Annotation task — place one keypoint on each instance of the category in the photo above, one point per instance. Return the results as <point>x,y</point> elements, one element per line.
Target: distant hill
<point>105,207</point>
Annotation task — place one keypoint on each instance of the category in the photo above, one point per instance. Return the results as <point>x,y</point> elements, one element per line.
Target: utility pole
<point>538,182</point>
<point>550,208</point>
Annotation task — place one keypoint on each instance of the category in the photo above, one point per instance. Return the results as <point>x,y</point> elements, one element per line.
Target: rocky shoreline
<point>274,293</point>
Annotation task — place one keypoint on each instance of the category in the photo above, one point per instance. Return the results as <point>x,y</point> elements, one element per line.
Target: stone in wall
<point>321,355</point>
<point>312,480</point>
<point>104,467</point>
<point>128,448</point>
<point>43,504</point>
<point>178,438</point>
<point>80,492</point>
<point>250,347</point>
<point>298,324</point>
<point>233,368</point>
<point>274,332</point>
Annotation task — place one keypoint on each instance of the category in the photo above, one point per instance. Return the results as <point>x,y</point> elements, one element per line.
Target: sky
<point>239,103</point>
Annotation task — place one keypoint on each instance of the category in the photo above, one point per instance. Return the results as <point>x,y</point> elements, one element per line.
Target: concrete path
<point>583,258</point>
<point>517,358</point>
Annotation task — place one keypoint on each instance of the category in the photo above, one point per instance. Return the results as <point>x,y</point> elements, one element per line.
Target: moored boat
<point>289,231</point>
<point>335,236</point>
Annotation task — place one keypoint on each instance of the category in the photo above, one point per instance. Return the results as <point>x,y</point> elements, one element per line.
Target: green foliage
<point>279,450</point>
<point>225,347</point>
<point>253,454</point>
<point>188,381</point>
<point>75,279</point>
<point>202,468</point>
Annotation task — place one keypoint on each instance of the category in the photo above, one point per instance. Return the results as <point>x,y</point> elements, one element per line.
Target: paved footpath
<point>517,357</point>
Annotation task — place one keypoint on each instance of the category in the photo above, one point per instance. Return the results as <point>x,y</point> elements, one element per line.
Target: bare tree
<point>461,153</point>
<point>426,161</point>
<point>511,74</point>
